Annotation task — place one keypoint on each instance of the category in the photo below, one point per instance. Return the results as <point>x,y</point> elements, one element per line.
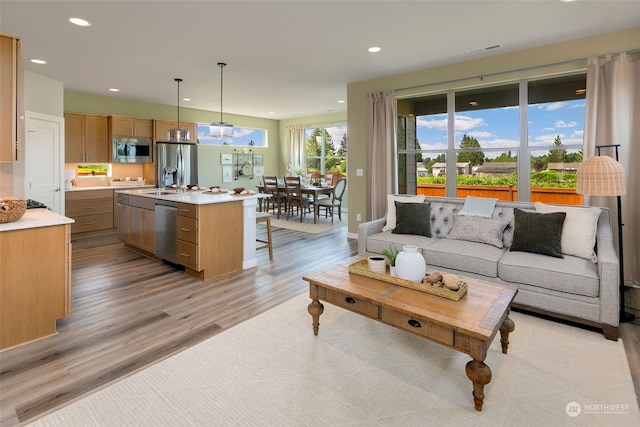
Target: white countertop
<point>110,187</point>
<point>34,218</point>
<point>196,197</point>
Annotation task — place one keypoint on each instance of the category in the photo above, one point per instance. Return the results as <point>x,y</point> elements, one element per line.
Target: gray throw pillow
<point>413,218</point>
<point>538,233</point>
<point>478,229</point>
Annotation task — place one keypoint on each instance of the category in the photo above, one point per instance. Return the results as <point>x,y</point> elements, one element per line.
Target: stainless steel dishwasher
<point>166,230</point>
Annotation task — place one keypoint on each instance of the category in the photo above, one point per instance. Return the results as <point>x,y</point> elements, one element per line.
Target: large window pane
<point>556,127</point>
<point>326,150</point>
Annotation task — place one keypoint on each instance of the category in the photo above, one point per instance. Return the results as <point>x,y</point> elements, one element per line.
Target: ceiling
<point>285,59</point>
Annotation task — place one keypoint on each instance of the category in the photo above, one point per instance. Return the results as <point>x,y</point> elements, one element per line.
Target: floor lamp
<point>604,176</point>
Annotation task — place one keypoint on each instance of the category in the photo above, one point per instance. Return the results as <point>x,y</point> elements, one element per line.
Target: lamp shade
<point>600,176</point>
<point>221,130</point>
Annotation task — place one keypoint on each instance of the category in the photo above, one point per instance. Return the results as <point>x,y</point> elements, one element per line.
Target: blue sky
<point>498,127</point>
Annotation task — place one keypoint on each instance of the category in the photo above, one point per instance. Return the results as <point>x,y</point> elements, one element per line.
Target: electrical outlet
<point>358,217</point>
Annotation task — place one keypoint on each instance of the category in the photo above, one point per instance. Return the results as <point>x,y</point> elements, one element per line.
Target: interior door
<point>44,171</point>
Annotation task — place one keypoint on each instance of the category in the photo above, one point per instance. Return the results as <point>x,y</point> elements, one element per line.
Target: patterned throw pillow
<point>538,233</point>
<point>478,229</point>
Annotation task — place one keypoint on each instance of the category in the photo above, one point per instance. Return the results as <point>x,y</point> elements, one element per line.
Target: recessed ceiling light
<point>38,61</point>
<point>113,89</point>
<point>374,49</point>
<point>186,99</point>
<point>341,102</point>
<point>80,22</point>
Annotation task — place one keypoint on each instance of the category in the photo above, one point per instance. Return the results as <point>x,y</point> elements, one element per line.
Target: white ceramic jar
<point>410,265</point>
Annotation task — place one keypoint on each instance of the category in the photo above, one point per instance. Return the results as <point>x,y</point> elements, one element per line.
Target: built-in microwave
<point>132,150</point>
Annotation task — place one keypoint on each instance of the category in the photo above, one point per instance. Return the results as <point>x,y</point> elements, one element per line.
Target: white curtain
<point>612,116</point>
<point>297,146</point>
<point>381,146</point>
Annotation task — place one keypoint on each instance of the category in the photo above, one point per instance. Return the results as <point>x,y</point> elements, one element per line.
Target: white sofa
<point>570,288</point>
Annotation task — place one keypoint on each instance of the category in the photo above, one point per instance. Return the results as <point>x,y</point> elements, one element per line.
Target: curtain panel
<point>381,147</point>
<point>297,146</point>
<point>612,116</point>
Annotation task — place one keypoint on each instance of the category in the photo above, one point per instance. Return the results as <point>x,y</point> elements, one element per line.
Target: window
<point>244,137</point>
<point>326,149</point>
<point>93,170</point>
<point>488,141</point>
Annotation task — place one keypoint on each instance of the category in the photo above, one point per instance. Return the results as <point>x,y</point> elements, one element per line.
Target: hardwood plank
<point>129,312</point>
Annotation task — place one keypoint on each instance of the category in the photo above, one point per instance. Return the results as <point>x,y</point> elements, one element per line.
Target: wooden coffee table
<point>468,325</point>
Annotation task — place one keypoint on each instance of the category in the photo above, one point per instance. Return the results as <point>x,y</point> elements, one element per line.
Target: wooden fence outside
<point>555,196</point>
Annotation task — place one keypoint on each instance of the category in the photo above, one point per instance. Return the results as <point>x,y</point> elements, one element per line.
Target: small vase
<point>392,271</point>
<point>410,265</point>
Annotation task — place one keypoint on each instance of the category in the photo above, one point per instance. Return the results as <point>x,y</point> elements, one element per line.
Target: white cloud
<point>479,134</point>
<point>465,122</point>
<point>240,132</point>
<point>563,124</point>
<point>553,106</point>
<point>437,124</point>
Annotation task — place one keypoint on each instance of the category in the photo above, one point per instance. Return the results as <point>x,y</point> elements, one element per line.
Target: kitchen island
<point>35,283</point>
<point>209,234</point>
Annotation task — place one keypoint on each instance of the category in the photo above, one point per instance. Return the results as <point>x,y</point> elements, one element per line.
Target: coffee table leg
<point>507,327</point>
<point>315,309</point>
<point>479,374</point>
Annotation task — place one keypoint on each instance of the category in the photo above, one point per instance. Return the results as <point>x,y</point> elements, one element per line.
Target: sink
<point>160,193</point>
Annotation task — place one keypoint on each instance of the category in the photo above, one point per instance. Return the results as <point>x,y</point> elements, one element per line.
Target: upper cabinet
<point>9,98</point>
<point>86,138</point>
<point>130,126</point>
<point>161,129</point>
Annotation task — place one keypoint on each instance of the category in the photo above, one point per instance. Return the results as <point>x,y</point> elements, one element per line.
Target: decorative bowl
<point>238,190</point>
<point>12,210</point>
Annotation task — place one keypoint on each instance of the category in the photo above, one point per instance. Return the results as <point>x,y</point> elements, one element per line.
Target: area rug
<point>272,371</point>
<point>322,224</point>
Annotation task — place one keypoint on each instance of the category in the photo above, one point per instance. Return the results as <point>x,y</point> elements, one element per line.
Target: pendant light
<point>177,134</point>
<point>222,130</point>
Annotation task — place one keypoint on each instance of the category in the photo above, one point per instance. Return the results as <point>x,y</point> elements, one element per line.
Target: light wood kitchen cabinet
<point>91,209</point>
<point>210,238</point>
<point>142,223</point>
<point>86,138</point>
<point>130,126</point>
<point>124,218</point>
<point>36,282</point>
<point>162,127</point>
<point>10,98</point>
<point>136,221</point>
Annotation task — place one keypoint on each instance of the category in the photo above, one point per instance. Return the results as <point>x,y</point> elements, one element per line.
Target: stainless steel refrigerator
<point>176,164</point>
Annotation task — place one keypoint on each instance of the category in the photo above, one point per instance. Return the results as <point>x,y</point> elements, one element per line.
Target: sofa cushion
<point>391,208</point>
<point>538,233</point>
<point>478,229</point>
<point>572,274</point>
<point>379,241</point>
<point>478,206</point>
<point>412,218</point>
<point>578,231</point>
<point>463,256</point>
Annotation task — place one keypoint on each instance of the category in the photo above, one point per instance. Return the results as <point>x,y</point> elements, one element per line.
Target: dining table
<point>311,190</point>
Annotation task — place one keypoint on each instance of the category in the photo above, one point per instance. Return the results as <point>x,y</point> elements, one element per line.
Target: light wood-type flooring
<point>129,312</point>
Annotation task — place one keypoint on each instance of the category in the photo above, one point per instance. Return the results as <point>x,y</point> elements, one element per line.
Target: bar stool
<point>266,218</point>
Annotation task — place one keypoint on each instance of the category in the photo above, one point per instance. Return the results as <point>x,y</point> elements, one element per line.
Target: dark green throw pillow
<point>413,218</point>
<point>537,232</point>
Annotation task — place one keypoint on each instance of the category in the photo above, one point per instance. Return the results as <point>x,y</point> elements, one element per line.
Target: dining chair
<point>331,202</point>
<point>277,199</point>
<point>295,198</point>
